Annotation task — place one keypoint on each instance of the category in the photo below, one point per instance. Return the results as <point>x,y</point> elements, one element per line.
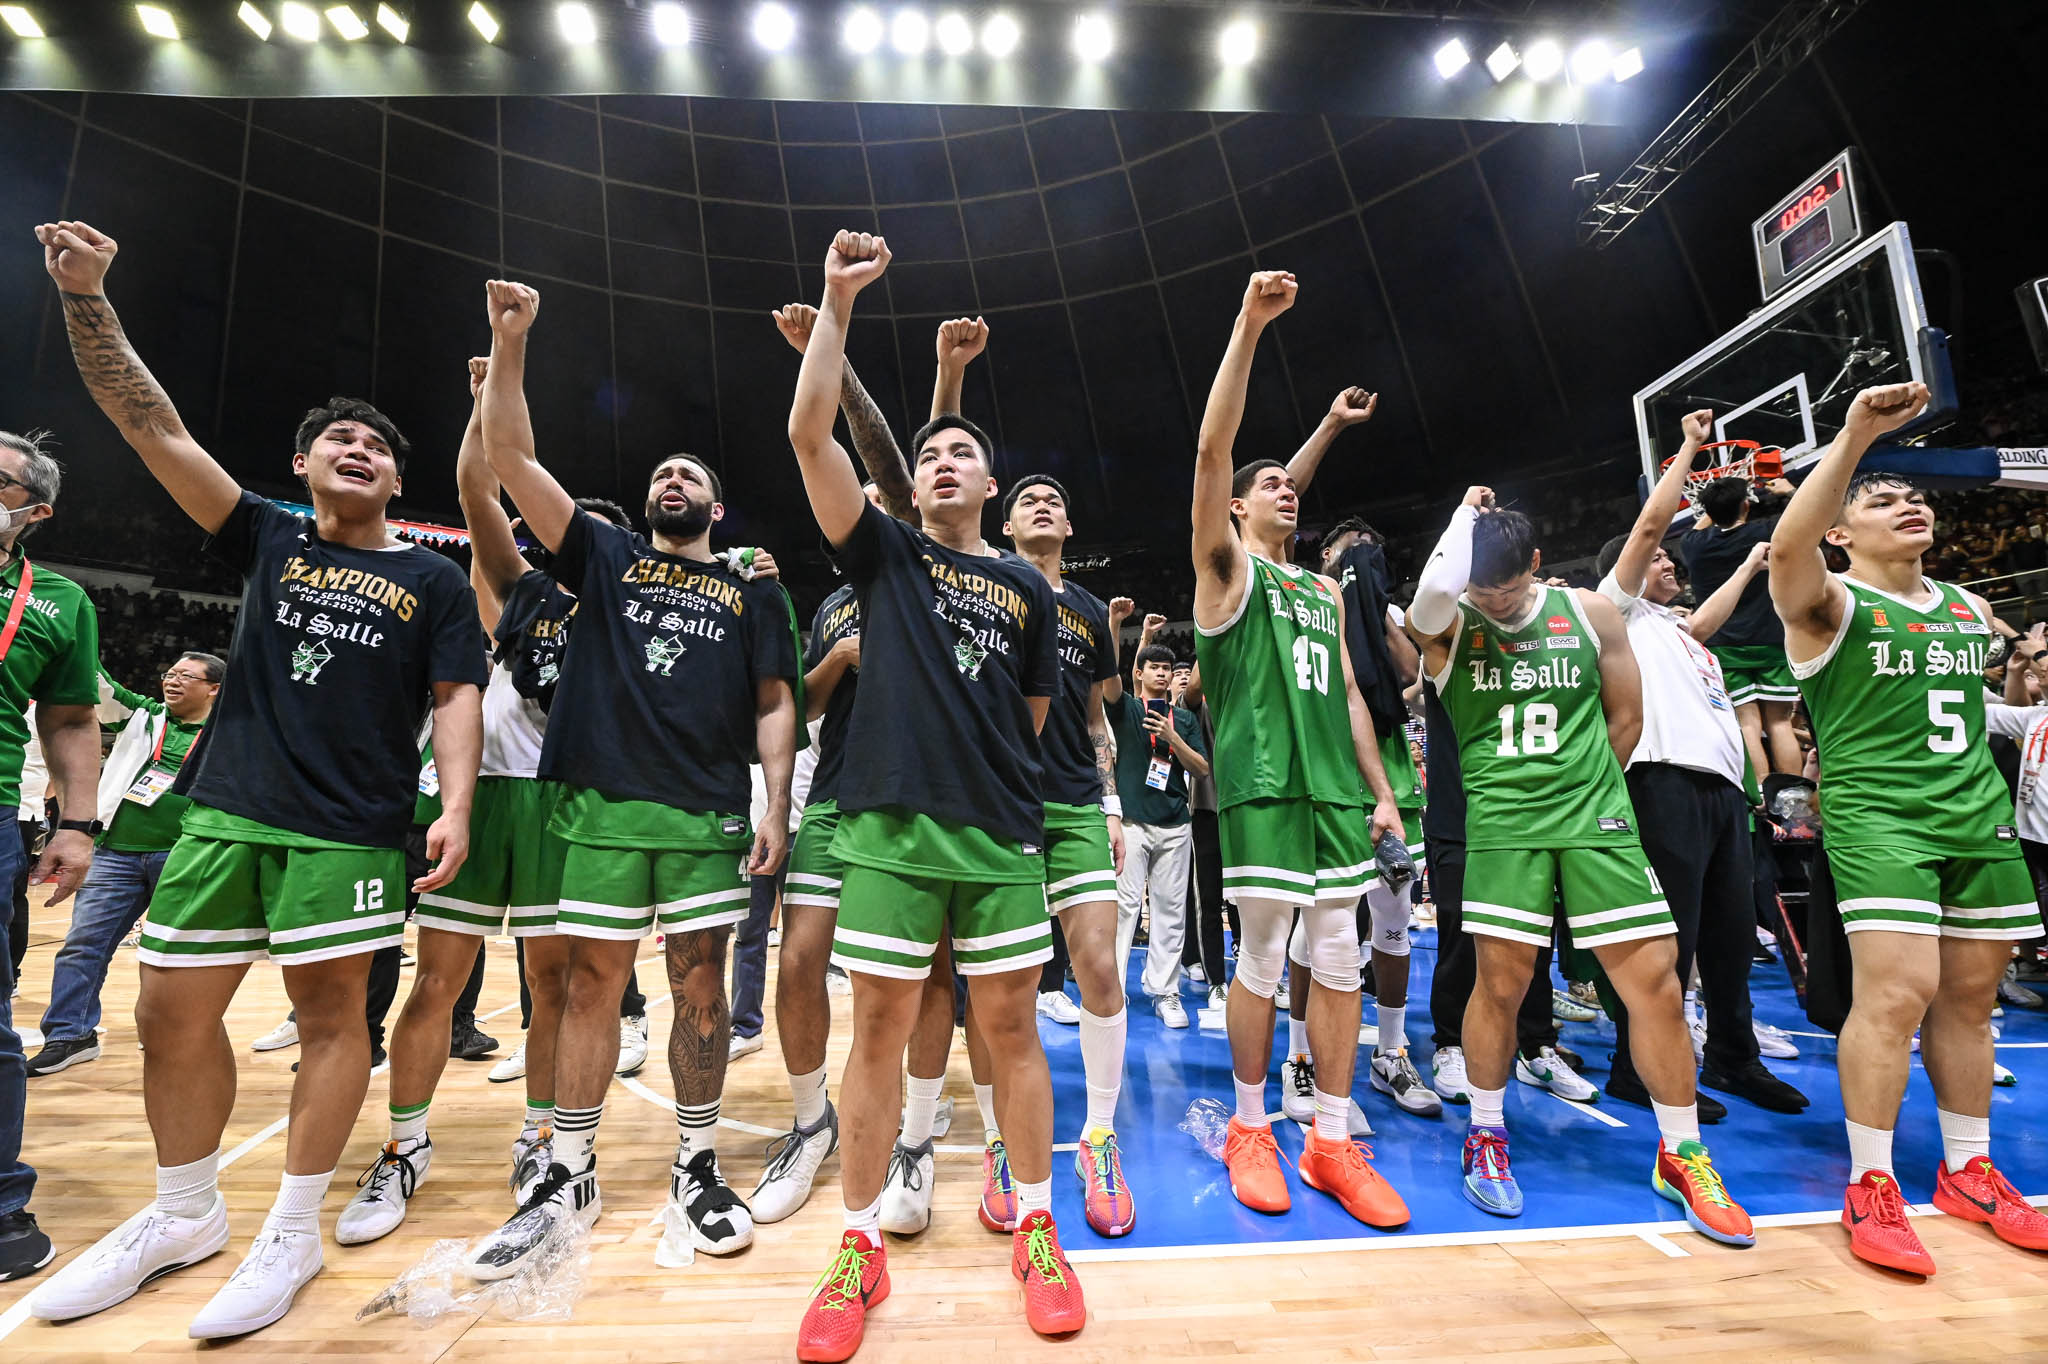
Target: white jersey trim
<point>1242,602</point>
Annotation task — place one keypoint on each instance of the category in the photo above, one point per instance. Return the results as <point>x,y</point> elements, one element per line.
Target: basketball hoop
<point>1732,459</point>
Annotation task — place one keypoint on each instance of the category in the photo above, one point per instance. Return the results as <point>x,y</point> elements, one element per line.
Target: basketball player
<point>682,669</point>
<point>302,791</point>
<point>1292,743</point>
<point>1542,690</point>
<point>1685,781</point>
<point>942,825</point>
<point>1927,864</point>
<point>1750,644</point>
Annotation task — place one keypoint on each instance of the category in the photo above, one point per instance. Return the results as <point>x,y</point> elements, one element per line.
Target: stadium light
<point>1502,61</point>
<point>347,23</point>
<point>774,26</point>
<point>299,22</point>
<point>1237,43</point>
<point>1094,39</point>
<point>1000,35</point>
<point>1452,58</point>
<point>861,30</point>
<point>157,22</point>
<point>573,20</point>
<point>1543,60</point>
<point>671,25</point>
<point>1592,60</point>
<point>955,34</point>
<point>393,23</point>
<point>483,21</point>
<point>1629,63</point>
<point>910,32</point>
<point>248,14</point>
<point>22,24</point>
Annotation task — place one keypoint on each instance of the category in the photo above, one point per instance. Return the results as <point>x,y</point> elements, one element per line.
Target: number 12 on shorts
<point>369,896</point>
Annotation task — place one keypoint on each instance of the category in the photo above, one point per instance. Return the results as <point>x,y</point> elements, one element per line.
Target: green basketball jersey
<point>1532,735</point>
<point>1898,710</point>
<point>1274,678</point>
<point>1399,760</point>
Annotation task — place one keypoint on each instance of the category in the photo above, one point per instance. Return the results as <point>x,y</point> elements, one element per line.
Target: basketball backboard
<point>1786,376</point>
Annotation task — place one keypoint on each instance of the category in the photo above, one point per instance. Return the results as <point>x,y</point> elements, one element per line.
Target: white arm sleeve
<point>1444,577</point>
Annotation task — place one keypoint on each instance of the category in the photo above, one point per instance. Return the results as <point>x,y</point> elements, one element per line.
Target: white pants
<point>1156,859</point>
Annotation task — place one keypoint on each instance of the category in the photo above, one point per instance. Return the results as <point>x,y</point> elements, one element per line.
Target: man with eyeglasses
<point>141,814</point>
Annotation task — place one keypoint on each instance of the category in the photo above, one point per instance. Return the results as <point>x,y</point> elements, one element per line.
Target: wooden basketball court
<point>1551,1296</point>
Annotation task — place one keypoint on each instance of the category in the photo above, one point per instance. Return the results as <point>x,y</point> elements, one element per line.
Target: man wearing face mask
<point>49,647</point>
<point>141,815</point>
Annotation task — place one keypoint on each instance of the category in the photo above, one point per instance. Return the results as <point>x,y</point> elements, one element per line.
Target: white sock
<point>1870,1148</point>
<point>1297,1037</point>
<point>868,1220</point>
<point>1393,1027</point>
<point>696,1129</point>
<point>1251,1102</point>
<point>985,1100</point>
<point>1487,1105</point>
<point>1102,1058</point>
<point>576,1137</point>
<point>409,1124</point>
<point>1692,1006</point>
<point>188,1190</point>
<point>809,1093</point>
<point>1676,1124</point>
<point>298,1204</point>
<point>920,1107</point>
<point>1963,1138</point>
<point>1333,1113</point>
<point>1032,1198</point>
<point>539,1113</point>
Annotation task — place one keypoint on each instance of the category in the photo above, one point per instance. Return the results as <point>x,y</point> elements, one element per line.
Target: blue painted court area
<point>1576,1171</point>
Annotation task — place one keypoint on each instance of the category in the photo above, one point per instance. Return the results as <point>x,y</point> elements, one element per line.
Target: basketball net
<point>1732,459</point>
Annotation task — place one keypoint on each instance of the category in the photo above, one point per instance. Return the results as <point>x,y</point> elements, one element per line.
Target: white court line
<point>1589,1110</point>
<point>1663,1245</point>
<point>1823,1036</point>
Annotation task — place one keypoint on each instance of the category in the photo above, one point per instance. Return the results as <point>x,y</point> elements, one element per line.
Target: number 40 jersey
<point>1532,734</point>
<point>1897,702</point>
<point>1273,675</point>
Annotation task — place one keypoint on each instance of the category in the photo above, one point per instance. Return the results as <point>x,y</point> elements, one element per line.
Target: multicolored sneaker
<point>838,1315</point>
<point>998,1194</point>
<point>1978,1193</point>
<point>1688,1178</point>
<point>1344,1170</point>
<point>1489,1180</point>
<point>1253,1159</point>
<point>1875,1214</point>
<point>1106,1199</point>
<point>1052,1295</point>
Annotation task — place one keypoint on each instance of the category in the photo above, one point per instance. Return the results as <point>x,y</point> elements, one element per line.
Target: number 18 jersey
<point>1897,702</point>
<point>1274,678</point>
<point>1532,734</point>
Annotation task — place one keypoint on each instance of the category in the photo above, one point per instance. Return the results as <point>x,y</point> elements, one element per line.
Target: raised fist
<point>1886,408</point>
<point>856,260</point>
<point>1759,557</point>
<point>1270,293</point>
<point>1354,405</point>
<point>76,255</point>
<point>961,340</point>
<point>1478,498</point>
<point>479,367</point>
<point>1154,623</point>
<point>513,307</point>
<point>794,321</point>
<point>1120,609</point>
<point>1697,426</point>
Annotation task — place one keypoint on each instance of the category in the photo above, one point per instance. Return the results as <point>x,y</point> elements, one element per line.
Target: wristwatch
<point>91,828</point>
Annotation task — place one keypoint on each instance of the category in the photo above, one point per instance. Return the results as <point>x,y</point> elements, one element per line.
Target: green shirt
<point>54,659</point>
<point>140,828</point>
<point>1136,747</point>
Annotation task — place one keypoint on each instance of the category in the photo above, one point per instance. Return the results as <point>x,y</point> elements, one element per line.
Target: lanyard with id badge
<point>155,780</point>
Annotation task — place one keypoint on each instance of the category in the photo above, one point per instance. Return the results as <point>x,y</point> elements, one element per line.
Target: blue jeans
<point>17,1181</point>
<point>115,893</point>
<point>750,956</point>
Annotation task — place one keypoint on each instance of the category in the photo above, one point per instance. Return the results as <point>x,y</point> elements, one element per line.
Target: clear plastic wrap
<point>546,1288</point>
<point>1206,1122</point>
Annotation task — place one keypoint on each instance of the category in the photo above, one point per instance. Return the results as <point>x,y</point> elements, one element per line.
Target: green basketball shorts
<point>624,892</point>
<point>814,874</point>
<point>225,900</point>
<point>890,924</point>
<point>1610,894</point>
<point>1757,672</point>
<point>1296,852</point>
<point>1079,868</point>
<point>1901,890</point>
<point>513,876</point>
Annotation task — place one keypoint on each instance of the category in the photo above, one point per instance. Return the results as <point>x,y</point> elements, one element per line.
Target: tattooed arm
<point>1105,768</point>
<point>77,257</point>
<point>872,439</point>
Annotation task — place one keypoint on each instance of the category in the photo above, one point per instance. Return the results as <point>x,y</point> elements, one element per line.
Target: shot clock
<point>1817,222</point>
